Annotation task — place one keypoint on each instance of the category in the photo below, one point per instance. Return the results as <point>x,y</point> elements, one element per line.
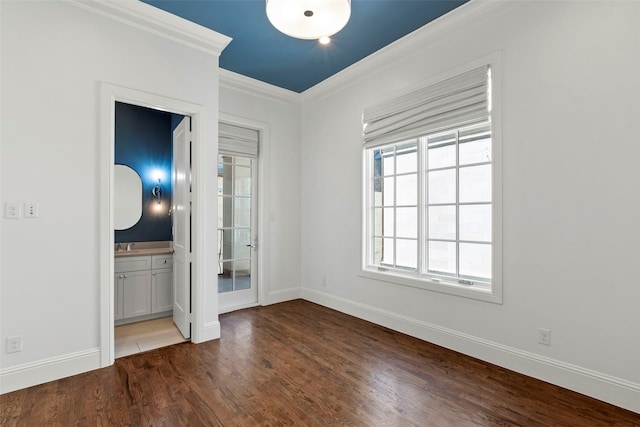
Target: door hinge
<point>189,318</point>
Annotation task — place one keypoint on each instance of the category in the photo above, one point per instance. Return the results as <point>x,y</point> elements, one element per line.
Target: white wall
<point>277,112</point>
<point>571,121</point>
<point>570,198</point>
<point>54,56</point>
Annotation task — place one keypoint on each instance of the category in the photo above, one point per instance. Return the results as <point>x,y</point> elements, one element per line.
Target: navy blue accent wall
<point>175,121</point>
<point>143,141</point>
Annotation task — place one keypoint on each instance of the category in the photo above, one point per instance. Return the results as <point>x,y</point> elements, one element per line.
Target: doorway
<point>152,271</point>
<point>202,326</point>
<point>237,181</point>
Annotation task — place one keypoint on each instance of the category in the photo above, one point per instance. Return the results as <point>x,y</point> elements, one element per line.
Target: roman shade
<point>237,141</point>
<point>450,103</point>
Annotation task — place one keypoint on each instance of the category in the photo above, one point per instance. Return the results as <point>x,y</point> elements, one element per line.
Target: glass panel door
<point>236,232</point>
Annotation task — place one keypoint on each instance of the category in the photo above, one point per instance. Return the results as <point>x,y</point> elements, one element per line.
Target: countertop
<point>144,248</point>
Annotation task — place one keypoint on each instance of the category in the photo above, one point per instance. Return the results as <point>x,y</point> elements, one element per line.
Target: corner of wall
<point>42,371</point>
<point>609,389</point>
<point>240,83</point>
<point>156,21</point>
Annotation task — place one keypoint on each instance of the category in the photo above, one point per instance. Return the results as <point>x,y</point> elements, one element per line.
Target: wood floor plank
<point>300,364</point>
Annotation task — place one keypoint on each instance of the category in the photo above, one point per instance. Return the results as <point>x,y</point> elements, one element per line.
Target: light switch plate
<point>31,210</point>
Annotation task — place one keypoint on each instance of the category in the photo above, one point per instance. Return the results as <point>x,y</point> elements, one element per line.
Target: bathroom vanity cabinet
<point>161,283</point>
<point>143,287</point>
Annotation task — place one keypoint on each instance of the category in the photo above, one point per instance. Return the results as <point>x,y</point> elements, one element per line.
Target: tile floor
<point>144,336</point>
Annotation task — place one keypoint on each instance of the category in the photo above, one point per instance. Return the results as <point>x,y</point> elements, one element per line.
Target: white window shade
<point>451,103</point>
<point>237,141</point>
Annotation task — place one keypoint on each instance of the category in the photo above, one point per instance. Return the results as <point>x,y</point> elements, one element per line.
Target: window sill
<point>451,288</point>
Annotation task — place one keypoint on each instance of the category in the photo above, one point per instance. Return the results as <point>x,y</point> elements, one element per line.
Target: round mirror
<point>127,194</point>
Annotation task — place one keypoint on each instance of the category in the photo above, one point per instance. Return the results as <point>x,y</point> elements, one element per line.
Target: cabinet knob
<point>165,261</point>
<point>125,276</point>
<point>153,274</point>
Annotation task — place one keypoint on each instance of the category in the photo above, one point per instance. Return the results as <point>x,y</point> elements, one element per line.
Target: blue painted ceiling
<point>261,52</point>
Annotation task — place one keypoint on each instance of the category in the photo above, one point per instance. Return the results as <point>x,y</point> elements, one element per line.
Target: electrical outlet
<point>14,344</point>
<point>12,210</point>
<point>31,210</point>
<point>544,336</point>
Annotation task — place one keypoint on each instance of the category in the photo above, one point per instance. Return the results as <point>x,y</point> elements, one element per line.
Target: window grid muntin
<point>375,205</point>
<point>473,132</point>
<point>464,134</point>
<point>232,161</point>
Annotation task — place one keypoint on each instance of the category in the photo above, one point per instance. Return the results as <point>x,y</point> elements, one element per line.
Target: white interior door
<point>182,227</point>
<point>237,231</point>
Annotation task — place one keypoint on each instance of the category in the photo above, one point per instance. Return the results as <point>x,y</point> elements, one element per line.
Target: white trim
<point>230,309</point>
<point>409,46</point>
<point>495,293</point>
<point>42,371</point>
<point>444,286</point>
<point>607,388</point>
<point>263,196</point>
<point>283,295</point>
<point>244,84</point>
<point>209,331</point>
<point>158,22</point>
<point>204,148</point>
<point>109,94</point>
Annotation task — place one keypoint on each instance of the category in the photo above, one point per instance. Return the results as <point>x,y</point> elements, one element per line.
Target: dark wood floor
<point>301,364</point>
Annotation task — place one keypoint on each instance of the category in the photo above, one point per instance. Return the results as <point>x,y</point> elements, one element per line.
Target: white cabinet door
<point>119,289</point>
<point>161,290</point>
<point>137,293</point>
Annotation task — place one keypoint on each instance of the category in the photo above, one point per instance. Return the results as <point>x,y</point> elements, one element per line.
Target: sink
<point>144,248</point>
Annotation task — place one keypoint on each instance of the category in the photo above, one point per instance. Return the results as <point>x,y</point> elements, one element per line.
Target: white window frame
<point>479,291</point>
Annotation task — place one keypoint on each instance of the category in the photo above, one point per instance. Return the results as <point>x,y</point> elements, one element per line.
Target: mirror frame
<point>127,191</point>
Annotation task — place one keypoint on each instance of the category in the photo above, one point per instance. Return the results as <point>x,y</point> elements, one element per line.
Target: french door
<point>237,231</point>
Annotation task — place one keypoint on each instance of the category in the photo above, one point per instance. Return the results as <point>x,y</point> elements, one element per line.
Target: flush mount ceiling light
<point>309,19</point>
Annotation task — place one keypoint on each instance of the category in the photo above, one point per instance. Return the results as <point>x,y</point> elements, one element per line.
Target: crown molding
<point>238,82</point>
<point>416,41</point>
<point>158,22</point>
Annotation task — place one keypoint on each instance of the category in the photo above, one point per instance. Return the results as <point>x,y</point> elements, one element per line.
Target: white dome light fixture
<point>309,19</point>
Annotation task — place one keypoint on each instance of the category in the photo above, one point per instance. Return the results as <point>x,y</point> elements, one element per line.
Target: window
<point>430,204</point>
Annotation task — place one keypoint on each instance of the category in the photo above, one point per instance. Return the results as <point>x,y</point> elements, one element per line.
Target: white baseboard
<point>600,386</point>
<point>42,371</point>
<point>211,331</point>
<point>271,298</point>
<point>616,391</point>
<point>282,296</point>
<point>236,308</point>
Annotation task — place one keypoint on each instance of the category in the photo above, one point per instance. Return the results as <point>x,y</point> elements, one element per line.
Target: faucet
<point>119,246</point>
<point>129,246</point>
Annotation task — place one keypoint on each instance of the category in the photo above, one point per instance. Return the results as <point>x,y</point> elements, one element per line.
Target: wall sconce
<point>157,192</point>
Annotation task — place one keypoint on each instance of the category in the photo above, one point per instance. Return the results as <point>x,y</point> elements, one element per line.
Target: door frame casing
<point>263,196</point>
<point>109,95</point>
